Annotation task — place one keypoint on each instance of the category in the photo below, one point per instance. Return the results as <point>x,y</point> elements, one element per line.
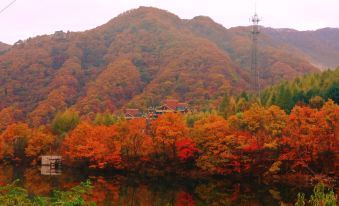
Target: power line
<point>6,7</point>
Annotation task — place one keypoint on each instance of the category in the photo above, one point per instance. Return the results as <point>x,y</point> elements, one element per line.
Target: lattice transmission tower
<point>255,84</point>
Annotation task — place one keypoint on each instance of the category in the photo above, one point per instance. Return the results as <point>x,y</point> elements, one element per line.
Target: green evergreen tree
<point>224,107</point>
<point>333,92</point>
<point>65,121</point>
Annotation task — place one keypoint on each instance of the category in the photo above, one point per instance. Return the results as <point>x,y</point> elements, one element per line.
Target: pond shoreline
<point>114,186</point>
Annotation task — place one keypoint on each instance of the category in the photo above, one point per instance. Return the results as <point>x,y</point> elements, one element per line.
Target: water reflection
<point>128,190</point>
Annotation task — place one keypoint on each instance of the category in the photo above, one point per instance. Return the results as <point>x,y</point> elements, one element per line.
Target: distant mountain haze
<point>146,55</point>
<point>320,47</point>
<point>4,47</point>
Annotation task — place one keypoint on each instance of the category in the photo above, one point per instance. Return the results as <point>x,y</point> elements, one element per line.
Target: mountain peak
<point>206,20</point>
<point>203,19</point>
<point>144,11</point>
<point>206,25</point>
<point>142,16</point>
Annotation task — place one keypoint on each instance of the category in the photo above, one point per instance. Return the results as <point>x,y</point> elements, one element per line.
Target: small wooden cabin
<point>48,171</point>
<point>51,160</point>
<point>172,105</point>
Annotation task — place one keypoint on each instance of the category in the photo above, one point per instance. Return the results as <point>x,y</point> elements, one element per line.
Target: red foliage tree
<point>186,149</point>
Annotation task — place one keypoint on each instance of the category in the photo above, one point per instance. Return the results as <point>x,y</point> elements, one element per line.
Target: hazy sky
<point>28,18</point>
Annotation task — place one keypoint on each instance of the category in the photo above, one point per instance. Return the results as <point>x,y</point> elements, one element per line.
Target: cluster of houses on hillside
<point>169,105</point>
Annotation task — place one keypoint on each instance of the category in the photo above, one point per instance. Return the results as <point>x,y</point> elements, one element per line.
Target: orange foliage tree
<point>13,141</point>
<point>330,112</point>
<point>168,129</point>
<point>7,117</point>
<point>136,145</point>
<point>264,123</point>
<point>309,133</point>
<point>94,146</point>
<point>214,140</point>
<point>302,128</point>
<point>40,143</point>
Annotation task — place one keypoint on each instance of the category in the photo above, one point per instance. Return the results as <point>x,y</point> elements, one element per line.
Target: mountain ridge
<point>137,59</point>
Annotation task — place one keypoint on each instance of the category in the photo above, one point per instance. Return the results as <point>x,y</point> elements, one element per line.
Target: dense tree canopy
<point>140,58</point>
<point>258,140</point>
<point>311,89</point>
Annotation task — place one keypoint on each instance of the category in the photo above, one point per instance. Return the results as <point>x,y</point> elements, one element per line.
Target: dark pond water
<point>117,189</point>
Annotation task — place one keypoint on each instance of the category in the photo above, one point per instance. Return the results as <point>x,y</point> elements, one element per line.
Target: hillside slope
<point>276,59</point>
<point>141,56</point>
<point>321,46</point>
<point>137,59</point>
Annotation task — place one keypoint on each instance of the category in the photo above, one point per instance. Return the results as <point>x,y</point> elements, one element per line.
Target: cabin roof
<point>171,103</point>
<point>132,112</point>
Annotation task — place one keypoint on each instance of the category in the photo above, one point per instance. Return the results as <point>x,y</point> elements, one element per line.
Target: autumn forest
<point>241,136</point>
<point>66,94</point>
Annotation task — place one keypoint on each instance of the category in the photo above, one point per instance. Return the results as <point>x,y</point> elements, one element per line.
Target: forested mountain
<point>291,47</point>
<point>142,56</point>
<point>276,59</point>
<point>321,46</point>
<point>135,60</point>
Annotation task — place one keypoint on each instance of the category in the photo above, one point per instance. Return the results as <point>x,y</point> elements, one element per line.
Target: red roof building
<point>172,105</point>
<point>132,113</point>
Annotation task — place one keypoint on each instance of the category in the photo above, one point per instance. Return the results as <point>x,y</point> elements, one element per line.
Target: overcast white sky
<point>28,18</point>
